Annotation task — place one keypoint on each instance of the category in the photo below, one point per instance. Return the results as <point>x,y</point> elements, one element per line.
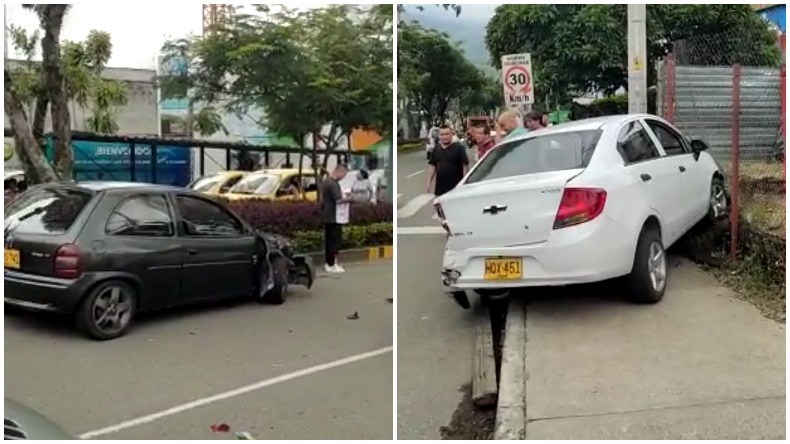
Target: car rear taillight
<point>66,262</point>
<point>442,218</point>
<point>579,205</point>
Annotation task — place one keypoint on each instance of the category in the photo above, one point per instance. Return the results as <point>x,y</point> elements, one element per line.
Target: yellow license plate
<point>502,269</point>
<point>11,258</point>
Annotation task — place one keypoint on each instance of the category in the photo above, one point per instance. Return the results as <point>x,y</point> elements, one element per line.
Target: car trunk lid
<point>37,224</point>
<point>518,210</point>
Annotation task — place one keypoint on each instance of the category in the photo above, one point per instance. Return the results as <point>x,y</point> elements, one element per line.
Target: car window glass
<point>45,210</point>
<point>635,144</point>
<point>203,218</point>
<point>671,142</point>
<point>230,183</point>
<point>256,184</point>
<point>144,215</point>
<point>550,152</point>
<point>206,183</point>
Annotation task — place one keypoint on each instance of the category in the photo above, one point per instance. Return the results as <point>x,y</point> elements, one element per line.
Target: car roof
<point>593,123</point>
<point>131,186</point>
<point>12,173</point>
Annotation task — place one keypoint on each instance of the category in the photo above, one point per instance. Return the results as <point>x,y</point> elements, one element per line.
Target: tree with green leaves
<point>581,48</point>
<point>432,72</point>
<point>483,100</point>
<point>305,69</point>
<point>69,71</point>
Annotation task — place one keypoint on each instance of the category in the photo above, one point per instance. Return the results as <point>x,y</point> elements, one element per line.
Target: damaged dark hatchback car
<point>105,251</point>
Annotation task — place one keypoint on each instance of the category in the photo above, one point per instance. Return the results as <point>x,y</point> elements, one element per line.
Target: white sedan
<point>579,202</point>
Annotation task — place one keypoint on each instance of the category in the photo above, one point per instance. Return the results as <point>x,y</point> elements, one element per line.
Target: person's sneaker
<point>333,268</point>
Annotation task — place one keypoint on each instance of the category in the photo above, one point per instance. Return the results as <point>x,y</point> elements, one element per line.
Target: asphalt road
<point>297,371</point>
<point>700,364</point>
<point>434,335</point>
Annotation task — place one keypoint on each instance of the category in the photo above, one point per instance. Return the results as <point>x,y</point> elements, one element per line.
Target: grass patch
<point>766,211</point>
<point>756,169</point>
<point>753,283</point>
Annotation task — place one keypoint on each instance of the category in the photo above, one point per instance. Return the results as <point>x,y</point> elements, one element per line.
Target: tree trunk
<point>36,166</point>
<point>40,117</point>
<point>51,17</point>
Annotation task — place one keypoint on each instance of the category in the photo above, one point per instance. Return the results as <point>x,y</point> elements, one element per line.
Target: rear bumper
<point>42,293</point>
<point>575,255</point>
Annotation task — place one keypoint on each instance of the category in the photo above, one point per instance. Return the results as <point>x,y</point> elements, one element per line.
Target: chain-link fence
<point>729,92</point>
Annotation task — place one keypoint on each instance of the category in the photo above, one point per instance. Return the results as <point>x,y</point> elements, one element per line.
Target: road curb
<point>369,254</point>
<point>511,413</point>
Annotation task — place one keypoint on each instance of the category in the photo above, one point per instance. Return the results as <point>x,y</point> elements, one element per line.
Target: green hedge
<point>360,236</point>
<point>408,147</point>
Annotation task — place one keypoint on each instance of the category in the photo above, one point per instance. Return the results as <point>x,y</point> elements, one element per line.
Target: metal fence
<point>730,93</point>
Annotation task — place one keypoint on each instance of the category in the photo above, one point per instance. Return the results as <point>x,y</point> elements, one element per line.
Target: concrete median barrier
<point>370,254</point>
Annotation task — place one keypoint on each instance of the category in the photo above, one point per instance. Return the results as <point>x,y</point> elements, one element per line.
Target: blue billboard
<point>113,161</point>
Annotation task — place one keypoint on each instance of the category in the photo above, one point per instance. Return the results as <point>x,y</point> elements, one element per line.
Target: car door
<point>218,252</point>
<point>140,239</point>
<point>653,173</point>
<point>692,183</point>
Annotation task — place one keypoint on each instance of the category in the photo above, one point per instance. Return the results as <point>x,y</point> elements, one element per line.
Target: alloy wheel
<point>657,266</point>
<point>112,310</point>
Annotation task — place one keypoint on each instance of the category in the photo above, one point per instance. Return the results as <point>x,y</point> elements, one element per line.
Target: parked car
<point>276,184</point>
<point>216,184</point>
<point>578,202</point>
<point>24,423</point>
<point>105,251</point>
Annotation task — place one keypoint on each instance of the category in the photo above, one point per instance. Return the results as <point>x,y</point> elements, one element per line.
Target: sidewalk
<point>699,365</point>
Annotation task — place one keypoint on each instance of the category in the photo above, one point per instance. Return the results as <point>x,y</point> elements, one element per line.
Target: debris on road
<point>353,317</point>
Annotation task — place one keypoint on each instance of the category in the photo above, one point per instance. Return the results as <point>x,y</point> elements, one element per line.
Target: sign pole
<point>637,59</point>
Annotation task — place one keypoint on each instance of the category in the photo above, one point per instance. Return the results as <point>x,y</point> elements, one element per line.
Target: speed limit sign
<point>517,79</point>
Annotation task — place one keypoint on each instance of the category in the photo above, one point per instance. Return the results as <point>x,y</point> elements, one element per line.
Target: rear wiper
<point>15,221</point>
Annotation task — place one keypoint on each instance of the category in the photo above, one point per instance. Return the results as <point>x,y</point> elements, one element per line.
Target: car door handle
<point>682,169</point>
<point>645,177</point>
<point>192,251</point>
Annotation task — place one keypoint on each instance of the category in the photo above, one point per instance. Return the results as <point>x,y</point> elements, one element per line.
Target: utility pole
<point>637,59</point>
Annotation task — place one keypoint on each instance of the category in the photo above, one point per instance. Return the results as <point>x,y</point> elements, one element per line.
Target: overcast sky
<point>138,30</point>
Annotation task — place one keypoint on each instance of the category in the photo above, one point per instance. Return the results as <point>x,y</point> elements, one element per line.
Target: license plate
<point>502,269</point>
<point>11,258</point>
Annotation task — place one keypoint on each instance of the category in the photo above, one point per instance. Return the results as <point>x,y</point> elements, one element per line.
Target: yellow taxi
<point>279,184</point>
<point>217,183</point>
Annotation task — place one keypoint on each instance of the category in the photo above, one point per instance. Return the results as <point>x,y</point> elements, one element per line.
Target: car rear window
<point>46,210</point>
<point>541,154</point>
<point>255,184</point>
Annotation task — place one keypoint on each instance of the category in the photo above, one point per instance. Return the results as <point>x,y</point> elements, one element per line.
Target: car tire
<point>647,282</point>
<point>279,293</point>
<point>718,201</point>
<point>492,295</point>
<point>122,299</point>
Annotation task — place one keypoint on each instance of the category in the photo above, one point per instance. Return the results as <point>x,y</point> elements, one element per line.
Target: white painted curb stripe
<point>232,393</point>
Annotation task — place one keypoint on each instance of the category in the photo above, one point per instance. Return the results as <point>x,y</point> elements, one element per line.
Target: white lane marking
<point>233,393</point>
<point>415,174</point>
<point>414,205</point>
<point>408,231</point>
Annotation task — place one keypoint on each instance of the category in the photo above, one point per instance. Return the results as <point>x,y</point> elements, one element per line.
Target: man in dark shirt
<point>448,163</point>
<point>333,200</point>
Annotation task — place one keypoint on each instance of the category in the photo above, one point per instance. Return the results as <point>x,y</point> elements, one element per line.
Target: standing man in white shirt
<point>335,206</point>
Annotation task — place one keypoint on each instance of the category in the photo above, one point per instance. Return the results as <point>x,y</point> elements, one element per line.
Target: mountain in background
<point>468,29</point>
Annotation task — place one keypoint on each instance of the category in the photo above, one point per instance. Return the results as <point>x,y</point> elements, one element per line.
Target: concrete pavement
<point>701,364</point>
<point>298,371</point>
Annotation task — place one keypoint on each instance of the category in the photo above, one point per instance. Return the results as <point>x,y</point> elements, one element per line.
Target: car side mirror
<point>698,146</point>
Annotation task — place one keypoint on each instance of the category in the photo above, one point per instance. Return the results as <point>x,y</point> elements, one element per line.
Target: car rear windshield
<point>541,154</point>
<point>45,210</point>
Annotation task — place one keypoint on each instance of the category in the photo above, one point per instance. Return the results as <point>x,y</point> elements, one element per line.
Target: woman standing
<point>362,190</point>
